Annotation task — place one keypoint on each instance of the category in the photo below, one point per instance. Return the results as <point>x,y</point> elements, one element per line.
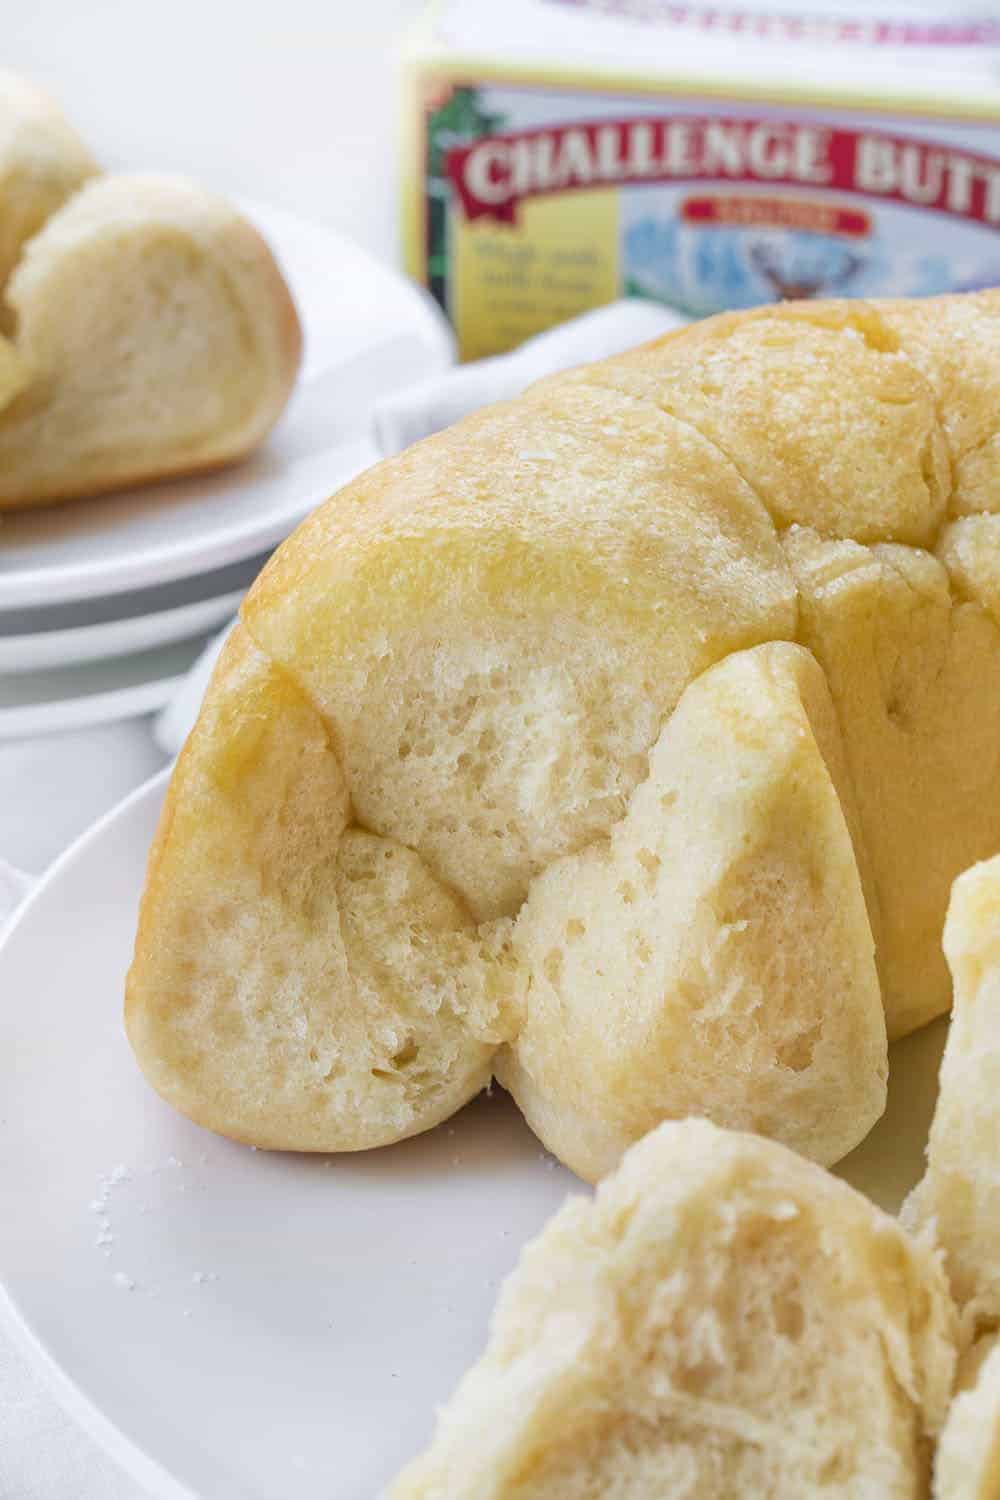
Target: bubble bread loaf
<point>42,162</point>
<point>722,1319</point>
<point>150,333</point>
<point>623,740</point>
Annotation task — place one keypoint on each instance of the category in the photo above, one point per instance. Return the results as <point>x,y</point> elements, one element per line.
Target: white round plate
<point>239,1324</point>
<point>97,692</point>
<point>33,640</point>
<point>368,331</point>
<point>88,643</point>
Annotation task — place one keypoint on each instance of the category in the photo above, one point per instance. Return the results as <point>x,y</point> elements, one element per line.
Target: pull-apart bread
<point>723,1319</point>
<point>150,333</point>
<point>623,741</point>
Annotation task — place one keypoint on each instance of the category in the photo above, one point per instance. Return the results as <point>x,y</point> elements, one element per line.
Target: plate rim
<point>128,1454</point>
<point>66,715</point>
<point>72,583</point>
<point>164,563</point>
<point>188,620</point>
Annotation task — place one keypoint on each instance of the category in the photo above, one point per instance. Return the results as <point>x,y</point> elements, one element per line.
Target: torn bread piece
<point>732,870</point>
<point>714,954</point>
<point>967,1462</point>
<point>723,1318</point>
<point>958,1198</point>
<point>307,985</point>
<point>956,1204</point>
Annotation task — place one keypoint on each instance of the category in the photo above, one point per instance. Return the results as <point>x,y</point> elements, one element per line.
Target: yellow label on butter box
<point>544,181</point>
<point>511,282</point>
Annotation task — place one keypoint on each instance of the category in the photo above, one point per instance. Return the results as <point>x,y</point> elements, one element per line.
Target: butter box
<point>561,153</point>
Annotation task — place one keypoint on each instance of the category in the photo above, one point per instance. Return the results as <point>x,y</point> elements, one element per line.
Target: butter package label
<point>538,190</point>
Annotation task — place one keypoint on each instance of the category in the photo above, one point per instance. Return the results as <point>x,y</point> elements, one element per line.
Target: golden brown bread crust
<point>495,628</point>
<point>720,1319</point>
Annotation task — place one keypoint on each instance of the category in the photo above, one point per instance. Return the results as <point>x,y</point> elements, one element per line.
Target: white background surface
<point>289,101</point>
<point>292,103</point>
<point>255,1326</point>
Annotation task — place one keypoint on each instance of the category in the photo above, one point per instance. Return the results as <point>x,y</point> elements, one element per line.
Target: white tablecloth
<point>51,789</point>
<point>43,1454</point>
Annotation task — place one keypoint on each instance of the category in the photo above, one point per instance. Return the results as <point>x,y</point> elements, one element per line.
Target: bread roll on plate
<point>674,682</point>
<point>152,335</point>
<point>723,1318</point>
<point>42,163</point>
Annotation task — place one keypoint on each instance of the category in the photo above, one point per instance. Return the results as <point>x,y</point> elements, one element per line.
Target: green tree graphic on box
<point>457,122</point>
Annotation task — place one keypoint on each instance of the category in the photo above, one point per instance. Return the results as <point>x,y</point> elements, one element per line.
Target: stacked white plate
<point>105,604</point>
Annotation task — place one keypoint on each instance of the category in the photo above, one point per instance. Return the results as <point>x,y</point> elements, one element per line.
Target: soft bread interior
<point>311,984</point>
<point>967,1462</point>
<point>958,1198</point>
<point>496,624</point>
<point>956,1205</point>
<point>717,946</point>
<point>155,336</point>
<point>308,985</point>
<point>722,1319</point>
